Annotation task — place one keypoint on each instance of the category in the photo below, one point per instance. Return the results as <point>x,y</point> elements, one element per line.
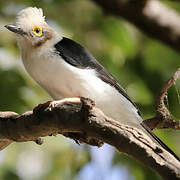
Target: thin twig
<point>151,16</point>
<point>163,118</point>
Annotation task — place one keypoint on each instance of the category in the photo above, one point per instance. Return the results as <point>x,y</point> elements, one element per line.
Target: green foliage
<point>120,35</point>
<point>139,63</point>
<point>9,174</point>
<point>10,96</point>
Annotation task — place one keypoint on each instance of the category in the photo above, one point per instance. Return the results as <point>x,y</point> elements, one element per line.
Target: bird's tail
<point>159,141</point>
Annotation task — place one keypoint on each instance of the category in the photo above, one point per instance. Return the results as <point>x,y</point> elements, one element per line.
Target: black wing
<point>76,55</point>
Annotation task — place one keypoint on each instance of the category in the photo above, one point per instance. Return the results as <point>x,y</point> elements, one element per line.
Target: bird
<point>65,69</point>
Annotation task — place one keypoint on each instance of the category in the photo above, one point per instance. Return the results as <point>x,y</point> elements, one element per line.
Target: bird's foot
<point>41,107</point>
<point>52,104</point>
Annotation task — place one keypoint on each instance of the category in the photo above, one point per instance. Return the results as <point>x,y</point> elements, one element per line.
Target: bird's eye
<point>37,31</point>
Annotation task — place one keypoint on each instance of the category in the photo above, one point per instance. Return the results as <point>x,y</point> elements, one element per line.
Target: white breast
<point>60,80</point>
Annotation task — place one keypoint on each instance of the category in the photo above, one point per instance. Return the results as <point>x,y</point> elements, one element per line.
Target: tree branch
<point>163,118</point>
<point>81,120</point>
<point>150,16</point>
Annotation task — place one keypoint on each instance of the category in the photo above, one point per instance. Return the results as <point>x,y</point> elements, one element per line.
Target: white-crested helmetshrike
<point>66,69</point>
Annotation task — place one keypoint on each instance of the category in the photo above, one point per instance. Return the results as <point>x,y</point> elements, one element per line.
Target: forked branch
<point>163,118</point>
<point>81,120</point>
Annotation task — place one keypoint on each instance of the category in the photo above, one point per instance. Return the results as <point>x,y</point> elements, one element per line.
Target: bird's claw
<point>41,107</point>
<point>52,104</point>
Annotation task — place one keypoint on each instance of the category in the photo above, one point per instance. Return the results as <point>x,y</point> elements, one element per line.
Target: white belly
<point>63,80</point>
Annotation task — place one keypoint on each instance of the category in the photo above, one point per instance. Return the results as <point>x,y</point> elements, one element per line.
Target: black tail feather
<point>159,141</point>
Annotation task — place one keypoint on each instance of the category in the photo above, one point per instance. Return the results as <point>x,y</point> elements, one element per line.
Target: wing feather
<point>76,55</point>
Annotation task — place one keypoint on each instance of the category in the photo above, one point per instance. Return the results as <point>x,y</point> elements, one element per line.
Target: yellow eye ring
<point>37,31</point>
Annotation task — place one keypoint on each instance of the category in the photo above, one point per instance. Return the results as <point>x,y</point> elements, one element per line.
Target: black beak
<point>15,29</point>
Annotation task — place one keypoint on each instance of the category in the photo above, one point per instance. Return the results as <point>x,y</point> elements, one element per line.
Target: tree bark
<point>80,120</point>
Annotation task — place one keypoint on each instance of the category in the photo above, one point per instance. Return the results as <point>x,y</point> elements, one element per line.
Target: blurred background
<point>139,63</point>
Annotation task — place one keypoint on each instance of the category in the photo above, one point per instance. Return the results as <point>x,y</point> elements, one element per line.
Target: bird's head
<point>31,28</point>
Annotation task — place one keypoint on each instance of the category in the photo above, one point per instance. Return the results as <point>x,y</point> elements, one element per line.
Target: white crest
<point>30,17</point>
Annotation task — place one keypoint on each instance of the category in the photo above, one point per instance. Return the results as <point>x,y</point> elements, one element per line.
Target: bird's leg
<point>65,100</point>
